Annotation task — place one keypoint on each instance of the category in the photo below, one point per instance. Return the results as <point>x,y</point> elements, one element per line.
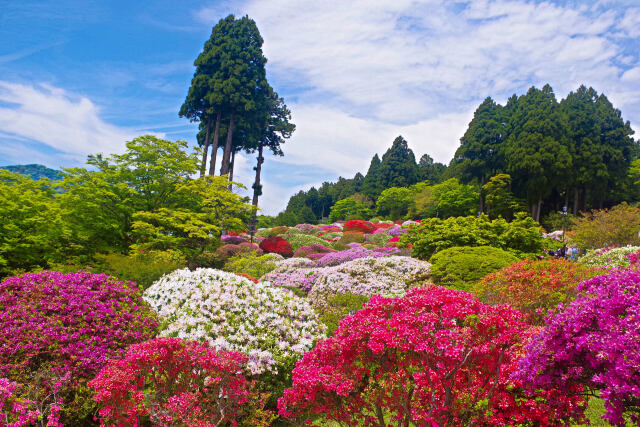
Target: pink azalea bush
<point>170,381</point>
<point>356,251</point>
<point>58,330</point>
<point>594,342</point>
<point>436,356</point>
<point>18,412</point>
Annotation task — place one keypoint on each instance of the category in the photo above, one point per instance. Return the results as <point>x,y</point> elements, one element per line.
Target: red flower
<point>277,245</point>
<point>359,225</point>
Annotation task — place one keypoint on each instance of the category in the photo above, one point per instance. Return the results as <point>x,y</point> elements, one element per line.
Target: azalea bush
<point>277,245</point>
<point>436,356</point>
<point>170,381</point>
<point>18,412</point>
<point>534,287</point>
<point>462,267</point>
<point>298,241</point>
<point>521,236</point>
<point>271,325</point>
<point>316,250</point>
<point>593,342</point>
<point>349,237</point>
<point>58,331</point>
<point>356,251</point>
<point>616,226</point>
<point>359,225</point>
<point>250,263</point>
<point>608,257</point>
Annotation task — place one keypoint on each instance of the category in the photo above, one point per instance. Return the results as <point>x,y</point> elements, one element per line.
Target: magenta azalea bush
<point>58,330</point>
<point>356,251</point>
<point>594,342</point>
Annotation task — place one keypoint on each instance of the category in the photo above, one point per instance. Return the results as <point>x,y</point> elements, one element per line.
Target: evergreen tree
<point>371,182</point>
<point>429,170</point>
<point>398,166</point>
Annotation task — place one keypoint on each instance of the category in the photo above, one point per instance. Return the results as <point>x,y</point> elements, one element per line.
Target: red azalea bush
<point>170,381</point>
<point>436,356</point>
<point>359,225</point>
<point>59,330</point>
<point>534,287</point>
<point>277,245</point>
<point>594,342</point>
<point>382,225</point>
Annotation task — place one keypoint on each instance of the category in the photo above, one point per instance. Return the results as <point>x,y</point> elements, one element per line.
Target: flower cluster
<point>593,342</point>
<point>277,245</point>
<point>356,251</point>
<point>359,225</point>
<point>270,325</point>
<point>534,287</point>
<point>316,250</point>
<point>436,356</point>
<point>396,231</point>
<point>58,330</point>
<point>608,257</point>
<point>233,240</point>
<point>171,382</point>
<point>15,411</point>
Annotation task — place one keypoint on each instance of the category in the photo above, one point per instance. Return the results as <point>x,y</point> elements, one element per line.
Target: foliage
<point>299,240</point>
<point>225,252</point>
<point>521,236</point>
<point>617,226</point>
<point>462,267</point>
<point>270,325</point>
<point>379,239</point>
<point>277,245</point>
<point>436,356</point>
<point>142,268</point>
<point>501,202</point>
<point>608,257</point>
<point>347,209</point>
<point>32,230</point>
<point>593,342</point>
<point>534,287</point>
<point>60,329</point>
<point>338,307</point>
<point>35,172</point>
<point>250,263</point>
<point>169,381</point>
<point>444,200</point>
<point>312,251</point>
<point>554,220</point>
<point>350,237</point>
<point>394,202</point>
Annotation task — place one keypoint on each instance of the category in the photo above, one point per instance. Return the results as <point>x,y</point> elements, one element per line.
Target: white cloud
<point>65,122</point>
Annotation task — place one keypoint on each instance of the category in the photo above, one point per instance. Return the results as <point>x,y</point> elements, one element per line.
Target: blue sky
<point>82,77</point>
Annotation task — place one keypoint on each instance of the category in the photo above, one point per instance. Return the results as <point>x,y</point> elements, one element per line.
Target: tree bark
<point>233,162</point>
<point>224,170</point>
<point>216,136</point>
<point>257,191</point>
<point>205,153</point>
<point>539,208</point>
<point>576,198</point>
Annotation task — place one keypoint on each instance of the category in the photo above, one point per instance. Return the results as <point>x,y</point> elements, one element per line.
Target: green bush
<point>299,240</point>
<point>617,226</point>
<point>379,239</point>
<point>462,267</point>
<point>141,268</point>
<point>338,307</point>
<point>555,220</point>
<point>347,209</point>
<point>250,263</point>
<point>522,236</point>
<point>349,237</point>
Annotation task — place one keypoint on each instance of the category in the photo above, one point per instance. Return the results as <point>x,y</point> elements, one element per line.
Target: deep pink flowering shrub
<point>18,412</point>
<point>58,330</point>
<point>232,239</point>
<point>170,381</point>
<point>356,251</point>
<point>436,356</point>
<point>595,342</point>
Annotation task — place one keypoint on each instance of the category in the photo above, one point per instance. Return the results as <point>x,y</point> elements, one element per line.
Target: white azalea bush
<point>608,257</point>
<point>271,325</point>
<point>389,276</point>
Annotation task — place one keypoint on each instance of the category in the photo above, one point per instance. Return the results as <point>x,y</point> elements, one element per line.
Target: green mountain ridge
<point>35,171</point>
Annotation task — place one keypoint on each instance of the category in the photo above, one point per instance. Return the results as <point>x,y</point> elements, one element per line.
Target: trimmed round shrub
<point>276,231</point>
<point>462,267</point>
<point>359,225</point>
<point>299,240</point>
<point>306,228</point>
<point>338,307</point>
<point>351,237</point>
<point>306,251</point>
<point>608,257</point>
<point>382,225</point>
<point>225,252</point>
<point>396,231</point>
<point>170,381</point>
<point>436,356</point>
<point>250,263</point>
<point>270,325</point>
<point>379,239</point>
<point>337,258</point>
<point>233,240</point>
<point>331,236</point>
<point>59,330</point>
<point>277,245</point>
<point>593,343</point>
<point>535,287</point>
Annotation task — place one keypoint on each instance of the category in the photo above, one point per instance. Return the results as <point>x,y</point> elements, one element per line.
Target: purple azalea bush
<point>594,342</point>
<point>356,251</point>
<point>58,330</point>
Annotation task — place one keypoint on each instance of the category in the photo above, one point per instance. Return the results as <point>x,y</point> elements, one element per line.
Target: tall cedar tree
<point>398,167</point>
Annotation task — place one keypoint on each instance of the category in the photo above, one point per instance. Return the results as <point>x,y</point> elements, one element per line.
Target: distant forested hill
<point>35,171</point>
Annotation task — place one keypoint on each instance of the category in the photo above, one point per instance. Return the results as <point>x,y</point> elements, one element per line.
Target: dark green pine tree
<point>398,166</point>
<point>479,155</point>
<point>429,170</point>
<point>537,150</point>
<point>371,182</point>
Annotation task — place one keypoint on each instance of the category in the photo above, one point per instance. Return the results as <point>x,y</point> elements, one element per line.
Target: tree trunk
<point>576,197</point>
<point>224,170</point>
<point>566,199</point>
<point>233,162</point>
<point>537,218</point>
<point>216,136</point>
<point>203,167</point>
<point>257,191</point>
